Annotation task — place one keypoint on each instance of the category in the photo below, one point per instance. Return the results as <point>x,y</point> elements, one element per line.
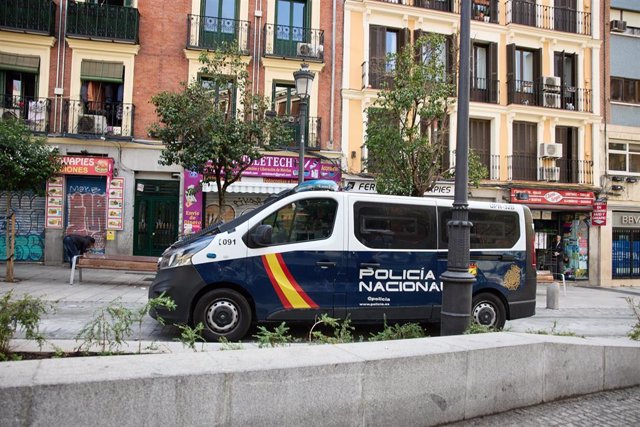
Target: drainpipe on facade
<point>333,73</point>
<point>64,58</point>
<point>57,98</point>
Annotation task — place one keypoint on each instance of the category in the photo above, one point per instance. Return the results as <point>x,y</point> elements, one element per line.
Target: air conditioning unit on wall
<point>618,26</point>
<point>552,151</point>
<point>309,50</point>
<point>551,100</point>
<point>551,84</point>
<point>92,124</point>
<point>551,174</point>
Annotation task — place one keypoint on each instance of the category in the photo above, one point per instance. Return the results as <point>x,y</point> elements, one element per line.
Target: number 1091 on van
<point>311,250</point>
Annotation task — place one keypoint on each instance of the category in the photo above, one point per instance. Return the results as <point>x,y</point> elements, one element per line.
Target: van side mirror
<point>261,235</point>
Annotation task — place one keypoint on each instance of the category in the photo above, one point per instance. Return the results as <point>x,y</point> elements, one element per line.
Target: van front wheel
<point>224,313</point>
<point>488,310</point>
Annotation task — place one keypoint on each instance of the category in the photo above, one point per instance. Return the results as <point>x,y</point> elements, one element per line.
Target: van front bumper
<point>181,284</point>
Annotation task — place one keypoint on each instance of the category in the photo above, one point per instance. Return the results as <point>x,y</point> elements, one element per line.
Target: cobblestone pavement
<point>610,408</point>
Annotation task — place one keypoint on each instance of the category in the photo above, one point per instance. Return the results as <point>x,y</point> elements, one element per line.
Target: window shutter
<point>404,36</point>
<point>112,72</point>
<point>23,63</point>
<point>451,65</point>
<point>492,72</point>
<point>416,49</point>
<point>511,76</point>
<point>377,51</point>
<point>537,75</point>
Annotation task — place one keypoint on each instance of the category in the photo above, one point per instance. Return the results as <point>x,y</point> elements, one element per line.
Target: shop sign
<point>287,167</point>
<point>531,196</point>
<point>82,165</point>
<point>626,219</point>
<point>192,203</point>
<point>360,186</point>
<point>599,214</point>
<point>55,197</point>
<point>115,203</point>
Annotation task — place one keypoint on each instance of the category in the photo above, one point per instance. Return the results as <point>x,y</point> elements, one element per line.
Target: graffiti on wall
<point>87,213</point>
<point>29,212</point>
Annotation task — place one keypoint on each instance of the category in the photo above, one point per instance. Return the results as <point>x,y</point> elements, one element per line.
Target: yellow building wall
<point>355,50</point>
<point>356,136</point>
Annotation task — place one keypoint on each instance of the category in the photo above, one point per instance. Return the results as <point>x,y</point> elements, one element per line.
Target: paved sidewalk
<point>585,311</point>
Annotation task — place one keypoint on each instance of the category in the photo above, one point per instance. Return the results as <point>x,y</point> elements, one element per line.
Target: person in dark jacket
<point>558,254</point>
<point>75,244</point>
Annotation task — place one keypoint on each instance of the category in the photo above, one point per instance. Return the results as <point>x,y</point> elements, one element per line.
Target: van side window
<point>303,220</point>
<point>491,229</point>
<point>394,226</point>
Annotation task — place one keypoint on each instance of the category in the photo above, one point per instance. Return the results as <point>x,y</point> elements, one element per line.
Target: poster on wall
<point>192,203</point>
<point>115,204</point>
<point>55,197</point>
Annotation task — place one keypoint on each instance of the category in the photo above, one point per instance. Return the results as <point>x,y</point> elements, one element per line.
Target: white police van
<point>309,251</point>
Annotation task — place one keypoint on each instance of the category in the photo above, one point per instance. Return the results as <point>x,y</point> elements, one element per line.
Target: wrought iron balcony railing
<point>526,12</point>
<point>490,161</point>
<point>313,128</point>
<point>377,74</point>
<point>207,32</point>
<point>566,171</point>
<point>29,16</point>
<point>35,112</point>
<point>103,22</point>
<point>485,90</point>
<point>283,41</point>
<point>481,10</point>
<point>99,119</point>
<point>560,97</point>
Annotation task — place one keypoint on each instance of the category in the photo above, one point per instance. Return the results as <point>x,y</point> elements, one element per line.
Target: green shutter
<point>26,64</point>
<point>128,3</point>
<point>112,72</point>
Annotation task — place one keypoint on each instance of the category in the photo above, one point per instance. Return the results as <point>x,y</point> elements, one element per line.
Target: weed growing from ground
<point>22,314</point>
<point>278,337</point>
<point>227,345</point>
<point>189,336</point>
<point>476,328</point>
<point>398,332</point>
<point>634,334</point>
<point>555,331</point>
<point>342,330</point>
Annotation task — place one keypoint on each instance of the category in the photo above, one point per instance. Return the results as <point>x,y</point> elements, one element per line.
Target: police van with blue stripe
<point>313,250</point>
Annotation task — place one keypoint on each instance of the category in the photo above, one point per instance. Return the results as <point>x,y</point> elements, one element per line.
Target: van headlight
<point>182,255</point>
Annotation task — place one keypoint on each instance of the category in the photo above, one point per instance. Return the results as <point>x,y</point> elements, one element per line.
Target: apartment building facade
<point>619,235</point>
<point>534,111</point>
<point>82,74</point>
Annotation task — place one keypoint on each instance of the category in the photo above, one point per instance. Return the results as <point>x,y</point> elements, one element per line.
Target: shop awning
<point>112,72</point>
<point>250,187</point>
<point>23,63</point>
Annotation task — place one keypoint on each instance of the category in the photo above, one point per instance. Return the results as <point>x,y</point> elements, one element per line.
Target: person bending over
<point>75,244</point>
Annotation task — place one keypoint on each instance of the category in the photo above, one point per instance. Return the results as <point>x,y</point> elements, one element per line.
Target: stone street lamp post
<point>304,80</point>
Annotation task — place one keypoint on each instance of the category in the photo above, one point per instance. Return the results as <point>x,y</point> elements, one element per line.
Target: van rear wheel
<point>488,310</point>
<point>224,313</point>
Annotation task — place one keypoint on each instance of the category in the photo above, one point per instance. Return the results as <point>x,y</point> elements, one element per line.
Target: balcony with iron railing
<point>489,161</point>
<point>559,97</point>
<point>28,16</point>
<point>103,22</point>
<point>481,10</point>
<point>312,131</point>
<point>98,119</point>
<point>377,74</point>
<point>35,112</point>
<point>563,170</point>
<point>485,90</point>
<point>209,33</point>
<point>283,41</point>
<point>548,17</point>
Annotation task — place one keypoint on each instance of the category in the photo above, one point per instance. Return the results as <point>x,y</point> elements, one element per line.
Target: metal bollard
<point>553,296</point>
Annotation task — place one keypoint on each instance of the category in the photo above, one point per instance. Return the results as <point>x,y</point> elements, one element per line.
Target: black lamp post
<point>304,80</point>
<point>458,282</point>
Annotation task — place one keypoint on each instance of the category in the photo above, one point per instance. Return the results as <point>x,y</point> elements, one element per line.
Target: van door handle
<point>325,264</point>
<point>372,265</point>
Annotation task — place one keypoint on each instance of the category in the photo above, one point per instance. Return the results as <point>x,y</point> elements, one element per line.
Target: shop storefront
<point>78,201</point>
<point>625,245</point>
<point>269,175</point>
<point>563,213</point>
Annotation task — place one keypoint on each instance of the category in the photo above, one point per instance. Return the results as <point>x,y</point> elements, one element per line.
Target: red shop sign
<point>82,165</point>
<point>552,197</point>
<point>599,214</point>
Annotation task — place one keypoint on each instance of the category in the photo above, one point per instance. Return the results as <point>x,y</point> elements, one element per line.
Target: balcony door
<point>218,22</point>
<point>565,15</point>
<point>480,140</point>
<point>484,60</point>
<point>524,12</point>
<point>286,104</point>
<point>565,67</point>
<point>524,161</point>
<point>569,164</point>
<point>291,26</point>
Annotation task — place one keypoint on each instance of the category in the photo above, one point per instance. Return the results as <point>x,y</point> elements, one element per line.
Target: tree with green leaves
<point>407,131</point>
<point>27,162</point>
<point>206,130</point>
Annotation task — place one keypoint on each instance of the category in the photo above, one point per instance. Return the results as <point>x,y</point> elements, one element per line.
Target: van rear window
<point>394,226</point>
<point>491,229</point>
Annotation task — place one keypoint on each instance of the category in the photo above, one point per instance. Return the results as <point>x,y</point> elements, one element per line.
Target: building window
<point>480,140</point>
<point>383,42</point>
<point>524,161</point>
<point>224,92</point>
<point>291,18</point>
<point>624,157</point>
<point>524,70</point>
<point>625,90</point>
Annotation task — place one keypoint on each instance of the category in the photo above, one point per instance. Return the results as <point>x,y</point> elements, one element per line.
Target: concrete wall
<point>413,382</point>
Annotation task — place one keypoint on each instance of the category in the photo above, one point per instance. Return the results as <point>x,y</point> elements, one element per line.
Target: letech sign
<point>531,196</point>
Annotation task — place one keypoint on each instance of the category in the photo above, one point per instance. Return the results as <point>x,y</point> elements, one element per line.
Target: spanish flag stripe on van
<point>288,290</point>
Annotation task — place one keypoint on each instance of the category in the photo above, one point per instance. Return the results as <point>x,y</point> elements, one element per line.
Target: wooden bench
<point>112,262</point>
<point>546,276</point>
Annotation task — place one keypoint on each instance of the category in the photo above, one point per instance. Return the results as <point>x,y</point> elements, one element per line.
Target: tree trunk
<point>10,235</point>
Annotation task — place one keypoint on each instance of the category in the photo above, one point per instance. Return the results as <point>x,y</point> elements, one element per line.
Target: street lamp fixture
<point>304,79</point>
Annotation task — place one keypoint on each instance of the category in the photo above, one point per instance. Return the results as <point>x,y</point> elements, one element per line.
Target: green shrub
<point>279,336</point>
<point>342,330</point>
<point>398,332</point>
<point>475,328</point>
<point>22,314</point>
<point>189,336</point>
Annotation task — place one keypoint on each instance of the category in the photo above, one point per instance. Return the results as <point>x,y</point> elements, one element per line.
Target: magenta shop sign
<point>287,167</point>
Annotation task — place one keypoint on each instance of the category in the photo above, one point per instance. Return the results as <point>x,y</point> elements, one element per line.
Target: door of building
<point>86,210</point>
<point>156,216</point>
